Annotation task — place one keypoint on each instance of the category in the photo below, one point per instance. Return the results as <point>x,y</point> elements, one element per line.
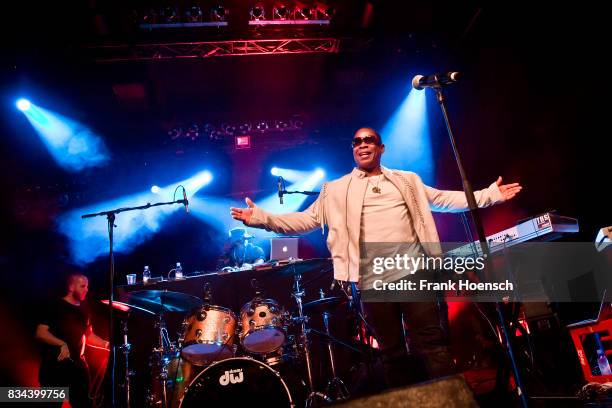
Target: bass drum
<point>237,381</point>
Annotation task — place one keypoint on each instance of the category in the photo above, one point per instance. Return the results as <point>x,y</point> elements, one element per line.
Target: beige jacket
<point>340,208</point>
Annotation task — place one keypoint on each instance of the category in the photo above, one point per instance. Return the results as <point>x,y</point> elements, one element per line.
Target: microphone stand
<point>110,217</point>
<point>473,208</point>
<point>283,192</point>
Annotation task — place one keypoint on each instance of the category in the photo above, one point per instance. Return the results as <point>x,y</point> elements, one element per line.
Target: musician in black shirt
<point>64,329</point>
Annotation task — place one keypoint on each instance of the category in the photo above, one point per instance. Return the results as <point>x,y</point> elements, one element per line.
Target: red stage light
<point>118,305</point>
<point>243,142</point>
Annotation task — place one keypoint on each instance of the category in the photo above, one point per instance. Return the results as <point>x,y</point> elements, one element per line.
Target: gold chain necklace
<point>376,189</point>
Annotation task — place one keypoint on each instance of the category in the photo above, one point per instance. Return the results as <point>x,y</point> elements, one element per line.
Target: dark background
<point>530,108</point>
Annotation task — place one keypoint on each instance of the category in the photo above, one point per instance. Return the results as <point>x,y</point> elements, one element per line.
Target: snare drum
<point>209,335</point>
<point>262,324</point>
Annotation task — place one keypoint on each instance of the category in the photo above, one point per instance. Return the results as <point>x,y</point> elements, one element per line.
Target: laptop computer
<point>283,248</point>
<point>600,311</point>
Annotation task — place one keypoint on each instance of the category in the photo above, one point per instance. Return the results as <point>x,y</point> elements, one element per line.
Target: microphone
<point>185,201</point>
<point>280,189</point>
<point>420,82</point>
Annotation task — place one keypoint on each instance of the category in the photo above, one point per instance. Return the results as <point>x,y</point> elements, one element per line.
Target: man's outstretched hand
<point>243,214</point>
<point>508,190</point>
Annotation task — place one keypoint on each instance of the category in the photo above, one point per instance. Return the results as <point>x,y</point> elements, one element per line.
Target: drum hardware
<point>159,362</point>
<point>207,295</point>
<point>125,348</point>
<point>288,353</point>
<point>298,294</point>
<point>335,386</point>
<point>158,359</point>
<point>259,293</point>
<point>336,389</point>
<point>302,267</point>
<point>164,352</point>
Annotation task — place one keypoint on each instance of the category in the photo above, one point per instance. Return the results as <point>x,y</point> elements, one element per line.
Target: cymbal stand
<point>161,360</point>
<point>298,294</point>
<point>335,386</point>
<point>125,348</point>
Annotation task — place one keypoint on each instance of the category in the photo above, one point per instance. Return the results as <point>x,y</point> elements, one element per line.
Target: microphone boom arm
<point>301,192</point>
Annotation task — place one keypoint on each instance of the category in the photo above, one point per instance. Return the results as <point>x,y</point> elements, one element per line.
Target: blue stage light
<point>407,138</point>
<point>23,104</point>
<point>155,189</point>
<point>89,239</point>
<point>293,202</point>
<point>73,145</point>
<point>290,175</point>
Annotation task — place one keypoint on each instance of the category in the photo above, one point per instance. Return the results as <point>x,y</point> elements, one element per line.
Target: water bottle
<point>602,359</point>
<point>178,272</point>
<point>146,274</point>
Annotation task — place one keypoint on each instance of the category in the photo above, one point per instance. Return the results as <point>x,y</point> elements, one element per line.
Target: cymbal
<point>323,304</point>
<point>159,301</point>
<point>125,307</point>
<point>302,267</point>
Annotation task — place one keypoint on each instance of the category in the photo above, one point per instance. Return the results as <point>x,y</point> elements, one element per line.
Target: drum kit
<point>263,353</point>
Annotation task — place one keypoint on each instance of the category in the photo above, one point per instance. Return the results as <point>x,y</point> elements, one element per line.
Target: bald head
<point>77,286</point>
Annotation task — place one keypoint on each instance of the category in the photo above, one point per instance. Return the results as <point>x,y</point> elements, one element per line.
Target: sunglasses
<point>368,140</point>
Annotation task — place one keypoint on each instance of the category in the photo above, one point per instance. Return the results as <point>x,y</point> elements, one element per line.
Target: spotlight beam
<point>293,202</point>
<point>290,174</point>
<point>72,144</point>
<point>89,240</point>
<point>407,137</point>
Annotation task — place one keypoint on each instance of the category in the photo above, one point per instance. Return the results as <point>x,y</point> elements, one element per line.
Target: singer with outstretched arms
<point>376,204</point>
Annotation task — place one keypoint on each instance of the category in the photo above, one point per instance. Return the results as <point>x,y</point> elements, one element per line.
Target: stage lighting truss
<point>143,52</point>
<point>282,12</point>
